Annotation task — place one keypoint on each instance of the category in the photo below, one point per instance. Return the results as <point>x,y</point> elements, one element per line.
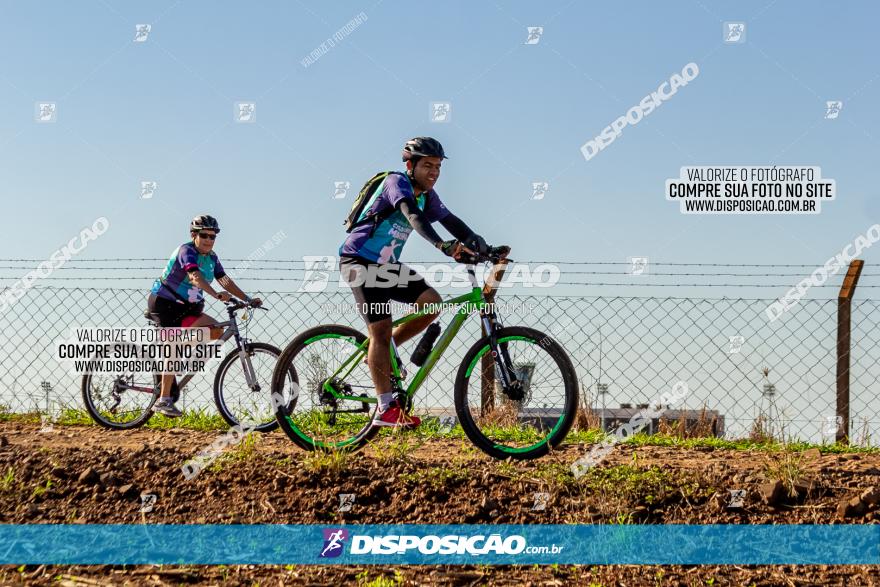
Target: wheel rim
<point>240,402</point>
<point>132,404</point>
<point>311,416</point>
<point>511,425</point>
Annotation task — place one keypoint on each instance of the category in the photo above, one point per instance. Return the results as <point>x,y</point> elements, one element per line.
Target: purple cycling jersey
<point>184,259</point>
<point>385,243</point>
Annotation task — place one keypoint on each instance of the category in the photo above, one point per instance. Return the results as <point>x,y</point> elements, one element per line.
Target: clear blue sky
<point>163,110</point>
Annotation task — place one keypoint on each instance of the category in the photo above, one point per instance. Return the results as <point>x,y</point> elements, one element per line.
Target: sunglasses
<point>207,235</point>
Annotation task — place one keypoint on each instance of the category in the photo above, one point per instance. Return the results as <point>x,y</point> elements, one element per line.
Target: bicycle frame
<point>231,331</point>
<point>478,299</point>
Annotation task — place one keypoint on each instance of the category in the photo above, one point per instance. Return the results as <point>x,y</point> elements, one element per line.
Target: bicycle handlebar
<point>494,255</point>
<point>234,304</point>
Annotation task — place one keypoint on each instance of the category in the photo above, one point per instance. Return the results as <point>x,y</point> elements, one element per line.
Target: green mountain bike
<point>516,391</point>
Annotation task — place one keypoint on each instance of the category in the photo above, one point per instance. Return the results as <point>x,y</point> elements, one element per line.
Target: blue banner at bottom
<point>439,544</point>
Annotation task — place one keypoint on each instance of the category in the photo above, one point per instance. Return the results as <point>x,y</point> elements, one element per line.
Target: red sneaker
<point>395,417</point>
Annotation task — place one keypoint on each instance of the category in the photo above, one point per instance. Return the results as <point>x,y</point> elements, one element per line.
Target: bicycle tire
<point>284,416</point>
<point>230,358</point>
<point>567,417</point>
<point>100,420</point>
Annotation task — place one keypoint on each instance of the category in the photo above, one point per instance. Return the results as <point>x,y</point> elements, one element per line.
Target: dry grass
<point>586,419</point>
<point>786,466</point>
<point>704,427</point>
<point>504,415</point>
<point>766,430</point>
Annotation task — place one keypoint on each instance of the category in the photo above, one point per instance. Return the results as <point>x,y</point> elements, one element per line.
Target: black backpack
<point>357,215</point>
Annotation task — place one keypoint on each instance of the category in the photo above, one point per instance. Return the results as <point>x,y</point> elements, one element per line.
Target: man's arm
<point>456,227</point>
<point>419,221</point>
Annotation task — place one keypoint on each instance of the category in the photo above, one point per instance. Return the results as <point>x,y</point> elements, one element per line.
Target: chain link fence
<point>627,350</point>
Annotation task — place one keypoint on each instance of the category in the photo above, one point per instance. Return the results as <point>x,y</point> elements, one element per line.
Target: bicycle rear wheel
<point>526,419</point>
<point>121,401</point>
<point>312,417</point>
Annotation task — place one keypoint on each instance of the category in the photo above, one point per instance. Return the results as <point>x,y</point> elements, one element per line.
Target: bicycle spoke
<point>522,417</point>
<point>320,417</point>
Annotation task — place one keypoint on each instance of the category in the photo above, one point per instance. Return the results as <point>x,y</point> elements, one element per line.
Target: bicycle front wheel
<point>240,402</point>
<point>533,414</point>
<point>312,417</point>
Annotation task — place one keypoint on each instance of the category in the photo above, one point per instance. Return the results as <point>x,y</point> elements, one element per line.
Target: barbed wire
<point>65,288</point>
<point>590,283</point>
<point>302,269</point>
<point>231,260</point>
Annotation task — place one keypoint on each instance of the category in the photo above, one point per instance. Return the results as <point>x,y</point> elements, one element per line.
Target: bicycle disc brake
<point>516,389</point>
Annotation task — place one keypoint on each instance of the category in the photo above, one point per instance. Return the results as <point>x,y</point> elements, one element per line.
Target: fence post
<point>844,306</point>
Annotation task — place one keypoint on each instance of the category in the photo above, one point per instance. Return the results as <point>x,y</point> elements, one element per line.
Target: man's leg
<point>406,331</point>
<point>379,355</point>
<point>167,381</point>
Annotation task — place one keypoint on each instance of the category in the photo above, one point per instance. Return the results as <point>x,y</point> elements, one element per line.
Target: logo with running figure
<point>317,273</point>
<point>535,33</point>
<point>441,112</point>
<point>734,32</point>
<point>334,542</point>
<point>832,109</point>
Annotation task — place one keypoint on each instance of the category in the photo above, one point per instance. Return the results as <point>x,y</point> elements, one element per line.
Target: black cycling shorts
<point>375,285</point>
<point>171,314</point>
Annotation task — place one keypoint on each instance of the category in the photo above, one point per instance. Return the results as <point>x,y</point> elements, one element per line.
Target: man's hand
<point>477,244</point>
<point>458,251</point>
<point>224,296</point>
<point>446,247</point>
<point>256,302</point>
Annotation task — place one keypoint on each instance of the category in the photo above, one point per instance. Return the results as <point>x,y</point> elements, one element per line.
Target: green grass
<point>431,427</point>
<point>397,448</point>
<point>319,461</point>
<point>201,420</point>
<point>554,473</point>
<point>363,579</point>
<point>41,489</point>
<point>191,420</point>
<point>435,477</point>
<point>243,451</point>
<point>631,483</point>
<point>595,436</point>
<point>205,420</point>
<point>621,519</point>
<point>7,480</point>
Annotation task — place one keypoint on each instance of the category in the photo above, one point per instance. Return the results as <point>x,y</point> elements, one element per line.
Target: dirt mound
<point>87,475</point>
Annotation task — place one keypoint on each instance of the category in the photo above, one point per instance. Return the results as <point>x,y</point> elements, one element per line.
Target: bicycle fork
<point>249,375</point>
<point>500,354</point>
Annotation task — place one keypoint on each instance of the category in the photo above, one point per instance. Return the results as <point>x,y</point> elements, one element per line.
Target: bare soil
<point>89,475</point>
